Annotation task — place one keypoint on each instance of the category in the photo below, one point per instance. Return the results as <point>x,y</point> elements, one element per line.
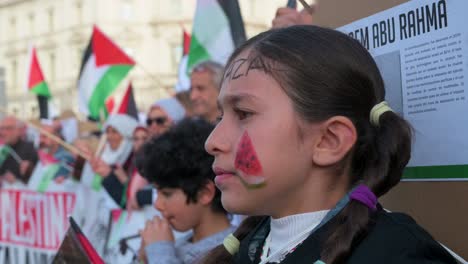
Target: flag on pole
<point>36,84</point>
<point>183,82</point>
<point>127,105</point>
<point>217,29</point>
<point>4,152</point>
<point>103,66</point>
<point>45,171</point>
<point>76,248</point>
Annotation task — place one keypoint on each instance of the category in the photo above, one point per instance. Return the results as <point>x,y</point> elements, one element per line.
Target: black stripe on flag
<point>43,107</point>
<point>86,55</point>
<point>232,10</point>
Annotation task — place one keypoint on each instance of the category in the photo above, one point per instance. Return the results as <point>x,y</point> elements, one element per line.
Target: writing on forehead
<point>242,66</point>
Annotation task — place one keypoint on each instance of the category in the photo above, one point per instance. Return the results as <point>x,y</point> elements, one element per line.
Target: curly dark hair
<point>177,159</point>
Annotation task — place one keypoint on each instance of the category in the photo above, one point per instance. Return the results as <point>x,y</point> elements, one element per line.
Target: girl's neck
<point>316,194</point>
<point>210,224</point>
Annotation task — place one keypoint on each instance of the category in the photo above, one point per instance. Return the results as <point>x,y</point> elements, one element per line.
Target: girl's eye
<point>241,114</point>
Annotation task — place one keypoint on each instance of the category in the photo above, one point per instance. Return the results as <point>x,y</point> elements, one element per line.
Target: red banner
<point>34,220</point>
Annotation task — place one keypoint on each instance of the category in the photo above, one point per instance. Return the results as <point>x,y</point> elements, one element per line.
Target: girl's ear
<point>207,193</point>
<point>337,137</point>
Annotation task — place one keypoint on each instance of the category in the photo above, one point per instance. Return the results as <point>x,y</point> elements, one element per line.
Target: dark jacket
<point>392,238</point>
<point>25,151</point>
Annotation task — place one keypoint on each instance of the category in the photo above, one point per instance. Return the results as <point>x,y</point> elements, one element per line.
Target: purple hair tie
<point>363,194</point>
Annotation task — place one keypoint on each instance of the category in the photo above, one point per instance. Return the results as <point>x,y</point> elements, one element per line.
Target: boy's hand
<point>156,230</point>
<point>100,167</point>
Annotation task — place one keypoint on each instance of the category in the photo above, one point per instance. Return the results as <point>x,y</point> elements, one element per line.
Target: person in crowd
<point>163,114</point>
<point>184,99</point>
<point>20,157</point>
<point>116,162</point>
<point>205,81</point>
<point>53,148</point>
<point>177,164</point>
<point>286,17</point>
<point>84,144</point>
<point>140,192</point>
<point>306,145</point>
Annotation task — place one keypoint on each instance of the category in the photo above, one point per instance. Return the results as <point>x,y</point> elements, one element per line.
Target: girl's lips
<point>221,178</point>
<point>221,175</point>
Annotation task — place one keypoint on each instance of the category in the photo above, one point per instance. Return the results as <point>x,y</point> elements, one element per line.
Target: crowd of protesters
<point>318,143</point>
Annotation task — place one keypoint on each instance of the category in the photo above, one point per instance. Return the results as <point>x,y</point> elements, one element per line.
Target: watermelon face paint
<point>248,162</point>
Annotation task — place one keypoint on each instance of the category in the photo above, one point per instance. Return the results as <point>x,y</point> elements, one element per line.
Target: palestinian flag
<point>217,29</point>
<point>6,151</point>
<point>36,84</point>
<point>44,173</point>
<point>118,220</point>
<point>103,66</point>
<point>183,82</point>
<point>76,248</point>
<point>127,106</point>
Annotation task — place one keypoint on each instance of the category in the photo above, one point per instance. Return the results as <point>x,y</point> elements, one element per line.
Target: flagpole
<point>307,7</point>
<point>64,144</point>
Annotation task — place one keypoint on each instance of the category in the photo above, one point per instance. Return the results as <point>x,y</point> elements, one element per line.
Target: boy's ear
<point>207,193</point>
<point>337,136</point>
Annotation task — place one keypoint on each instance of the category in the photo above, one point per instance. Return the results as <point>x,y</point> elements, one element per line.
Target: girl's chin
<point>233,206</point>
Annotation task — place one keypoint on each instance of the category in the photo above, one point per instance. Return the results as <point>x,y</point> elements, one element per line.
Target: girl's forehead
<point>256,87</point>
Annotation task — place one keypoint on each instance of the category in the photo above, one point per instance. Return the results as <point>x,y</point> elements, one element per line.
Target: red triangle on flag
<point>46,158</point>
<point>106,51</point>
<point>35,72</point>
<point>186,43</point>
<point>110,104</point>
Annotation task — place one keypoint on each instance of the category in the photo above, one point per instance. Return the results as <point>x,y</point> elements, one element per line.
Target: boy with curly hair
<point>179,167</point>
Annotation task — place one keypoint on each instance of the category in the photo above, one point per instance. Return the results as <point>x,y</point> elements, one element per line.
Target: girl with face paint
<point>307,141</point>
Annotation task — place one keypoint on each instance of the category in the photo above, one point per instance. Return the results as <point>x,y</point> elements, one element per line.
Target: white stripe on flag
<point>90,78</point>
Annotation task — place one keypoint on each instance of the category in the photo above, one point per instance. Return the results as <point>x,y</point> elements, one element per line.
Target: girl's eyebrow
<point>233,99</point>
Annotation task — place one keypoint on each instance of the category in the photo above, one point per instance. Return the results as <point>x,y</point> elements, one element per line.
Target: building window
<point>50,16</point>
<point>127,11</point>
<point>79,12</point>
<point>31,23</point>
<point>177,52</point>
<point>52,66</point>
<point>13,74</point>
<point>176,7</point>
<point>12,28</point>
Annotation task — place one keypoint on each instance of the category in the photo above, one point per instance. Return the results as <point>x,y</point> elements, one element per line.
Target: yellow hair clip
<point>377,111</point>
<point>231,243</point>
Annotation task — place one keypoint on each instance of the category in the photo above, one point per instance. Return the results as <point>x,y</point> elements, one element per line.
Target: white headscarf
<point>125,125</point>
<point>173,108</point>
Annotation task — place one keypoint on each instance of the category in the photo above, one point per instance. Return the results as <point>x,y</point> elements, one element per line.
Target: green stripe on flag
<point>197,54</point>
<point>41,89</point>
<point>4,152</point>
<point>97,182</point>
<point>117,229</point>
<point>459,172</point>
<point>108,83</point>
<point>48,176</point>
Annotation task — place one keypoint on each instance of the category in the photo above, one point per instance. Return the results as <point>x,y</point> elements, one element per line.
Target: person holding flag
<point>116,162</point>
<point>19,155</point>
<point>54,149</point>
<point>289,15</point>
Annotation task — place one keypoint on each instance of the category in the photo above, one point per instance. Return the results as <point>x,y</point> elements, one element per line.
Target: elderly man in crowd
<point>20,156</point>
<point>205,83</point>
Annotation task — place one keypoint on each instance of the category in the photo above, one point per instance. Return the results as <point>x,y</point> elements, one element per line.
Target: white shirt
<point>288,232</point>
